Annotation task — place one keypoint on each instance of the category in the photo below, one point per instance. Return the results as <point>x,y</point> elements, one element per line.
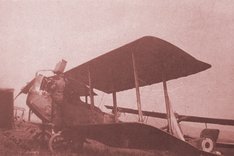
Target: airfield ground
<point>20,142</point>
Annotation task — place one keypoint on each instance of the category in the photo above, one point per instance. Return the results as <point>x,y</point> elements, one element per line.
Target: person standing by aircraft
<point>57,95</point>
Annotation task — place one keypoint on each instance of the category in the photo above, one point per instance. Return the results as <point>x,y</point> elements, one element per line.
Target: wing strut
<point>91,89</point>
<point>29,115</point>
<point>140,114</point>
<point>174,128</point>
<point>115,106</point>
<point>167,102</point>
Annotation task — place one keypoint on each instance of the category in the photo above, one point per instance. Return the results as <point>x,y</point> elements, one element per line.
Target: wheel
<point>58,143</point>
<point>207,144</point>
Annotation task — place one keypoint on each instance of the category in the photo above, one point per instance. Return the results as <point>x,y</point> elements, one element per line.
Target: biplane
<point>143,62</point>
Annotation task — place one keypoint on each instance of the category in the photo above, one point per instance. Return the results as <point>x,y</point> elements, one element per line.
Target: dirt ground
<point>21,141</point>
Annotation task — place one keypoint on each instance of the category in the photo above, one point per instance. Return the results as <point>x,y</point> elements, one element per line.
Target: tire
<point>58,143</point>
<point>207,144</point>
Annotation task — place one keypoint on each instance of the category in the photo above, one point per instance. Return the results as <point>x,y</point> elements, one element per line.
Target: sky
<point>37,34</point>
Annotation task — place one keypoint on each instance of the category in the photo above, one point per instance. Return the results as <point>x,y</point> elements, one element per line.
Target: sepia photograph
<point>116,78</point>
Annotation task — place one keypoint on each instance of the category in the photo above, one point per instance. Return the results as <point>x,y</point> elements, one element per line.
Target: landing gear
<point>59,143</point>
<point>207,144</point>
<point>208,139</point>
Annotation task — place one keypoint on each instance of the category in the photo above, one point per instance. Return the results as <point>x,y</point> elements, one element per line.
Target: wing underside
<point>156,60</point>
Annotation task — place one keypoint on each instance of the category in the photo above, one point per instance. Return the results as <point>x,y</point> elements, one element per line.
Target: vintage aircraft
<point>143,62</point>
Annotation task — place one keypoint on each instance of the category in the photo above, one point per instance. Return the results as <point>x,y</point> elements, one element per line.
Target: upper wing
<point>155,60</point>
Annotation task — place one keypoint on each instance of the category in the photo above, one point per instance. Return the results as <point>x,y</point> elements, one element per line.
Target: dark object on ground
<point>6,108</point>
